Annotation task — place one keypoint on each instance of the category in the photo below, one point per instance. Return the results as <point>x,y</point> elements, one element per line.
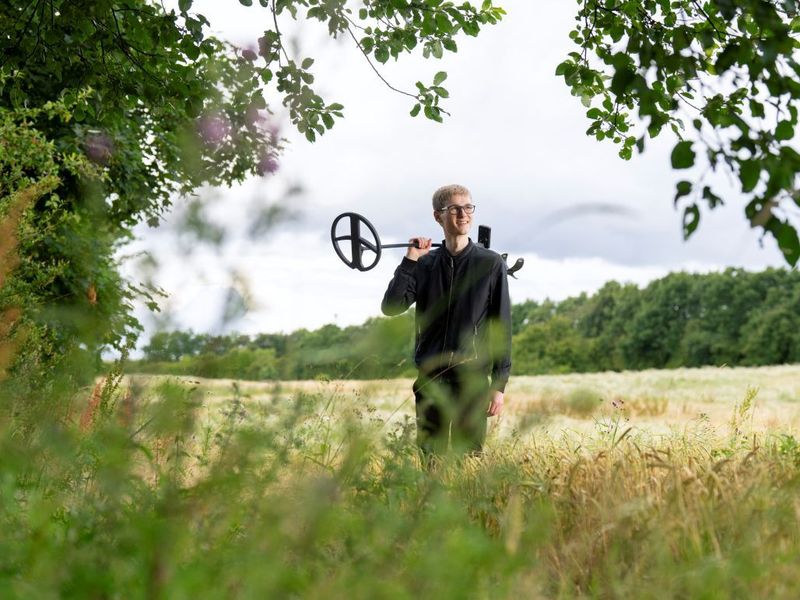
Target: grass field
<point>663,484</point>
<point>654,402</point>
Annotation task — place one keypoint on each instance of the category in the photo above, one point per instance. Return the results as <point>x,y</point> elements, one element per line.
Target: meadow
<point>653,402</point>
<point>654,484</point>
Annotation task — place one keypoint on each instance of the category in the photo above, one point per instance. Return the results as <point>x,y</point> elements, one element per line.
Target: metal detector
<point>360,244</point>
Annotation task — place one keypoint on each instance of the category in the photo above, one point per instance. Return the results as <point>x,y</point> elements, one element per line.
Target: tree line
<point>730,318</point>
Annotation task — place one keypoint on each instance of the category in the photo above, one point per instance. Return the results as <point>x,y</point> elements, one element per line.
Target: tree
<point>656,330</point>
<point>607,321</point>
<point>770,333</point>
<point>553,346</point>
<point>158,107</point>
<point>721,74</point>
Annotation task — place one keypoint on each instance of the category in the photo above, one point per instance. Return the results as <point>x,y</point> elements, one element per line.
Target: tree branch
<point>389,85</point>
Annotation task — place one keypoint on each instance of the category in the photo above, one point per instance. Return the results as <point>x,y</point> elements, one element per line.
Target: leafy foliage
<point>125,104</point>
<point>722,75</point>
<point>60,262</point>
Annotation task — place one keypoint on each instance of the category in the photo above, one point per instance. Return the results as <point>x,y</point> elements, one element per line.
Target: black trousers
<point>451,407</point>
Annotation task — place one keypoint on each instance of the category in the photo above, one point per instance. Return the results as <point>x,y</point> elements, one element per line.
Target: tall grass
<point>316,496</point>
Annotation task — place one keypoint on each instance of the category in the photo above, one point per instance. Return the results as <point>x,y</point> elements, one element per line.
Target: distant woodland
<point>682,320</point>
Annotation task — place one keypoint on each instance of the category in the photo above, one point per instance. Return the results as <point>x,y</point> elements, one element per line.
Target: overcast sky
<point>577,213</point>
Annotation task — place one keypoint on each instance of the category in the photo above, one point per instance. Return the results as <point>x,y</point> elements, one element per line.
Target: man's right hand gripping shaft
<point>420,246</point>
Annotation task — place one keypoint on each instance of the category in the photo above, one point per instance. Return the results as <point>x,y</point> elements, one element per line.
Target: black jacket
<point>463,309</point>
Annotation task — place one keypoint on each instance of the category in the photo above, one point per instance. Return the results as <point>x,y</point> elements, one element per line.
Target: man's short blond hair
<point>444,194</point>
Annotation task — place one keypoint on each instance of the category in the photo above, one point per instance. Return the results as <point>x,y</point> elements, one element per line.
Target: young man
<point>463,325</point>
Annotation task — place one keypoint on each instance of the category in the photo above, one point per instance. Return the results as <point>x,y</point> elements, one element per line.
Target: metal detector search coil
<point>359,244</point>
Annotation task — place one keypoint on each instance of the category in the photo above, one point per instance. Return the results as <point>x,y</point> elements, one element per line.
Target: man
<point>463,328</point>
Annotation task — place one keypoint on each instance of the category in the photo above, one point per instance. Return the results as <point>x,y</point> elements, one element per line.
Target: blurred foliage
<point>59,276</point>
<point>682,320</point>
<point>174,493</point>
<point>376,349</point>
<point>722,75</point>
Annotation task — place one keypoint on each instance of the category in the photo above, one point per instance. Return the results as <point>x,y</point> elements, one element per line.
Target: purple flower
<point>267,165</point>
<point>214,129</point>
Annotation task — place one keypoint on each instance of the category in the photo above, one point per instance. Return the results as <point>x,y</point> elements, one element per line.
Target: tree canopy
<point>722,75</point>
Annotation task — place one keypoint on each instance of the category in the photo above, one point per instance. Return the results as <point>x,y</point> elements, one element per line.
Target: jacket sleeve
<point>500,342</point>
<point>402,290</point>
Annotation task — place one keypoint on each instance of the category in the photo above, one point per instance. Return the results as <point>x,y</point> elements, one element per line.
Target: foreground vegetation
<point>172,488</point>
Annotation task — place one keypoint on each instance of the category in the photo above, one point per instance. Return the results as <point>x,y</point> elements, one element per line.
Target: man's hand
<point>424,246</point>
<point>496,404</point>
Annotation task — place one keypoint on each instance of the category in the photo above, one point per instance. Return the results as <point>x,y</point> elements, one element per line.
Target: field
<point>653,403</point>
<point>657,484</point>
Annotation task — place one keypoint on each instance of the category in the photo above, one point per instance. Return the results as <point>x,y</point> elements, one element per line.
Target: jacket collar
<point>460,256</point>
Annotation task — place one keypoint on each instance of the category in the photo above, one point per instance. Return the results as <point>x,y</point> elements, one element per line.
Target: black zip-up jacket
<point>463,309</point>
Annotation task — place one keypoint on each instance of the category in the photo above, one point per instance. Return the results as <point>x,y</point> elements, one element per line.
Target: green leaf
<point>691,219</point>
<point>382,54</point>
<point>749,174</point>
<point>566,68</point>
<point>756,108</point>
<point>307,62</point>
<point>184,5</point>
<point>623,77</point>
<point>684,188</point>
<point>789,243</point>
<point>682,155</point>
<point>247,3</point>
<point>727,58</point>
<point>439,78</point>
<point>415,110</point>
<point>443,24</point>
<point>428,25</point>
<point>711,197</point>
<point>450,45</point>
<point>784,131</point>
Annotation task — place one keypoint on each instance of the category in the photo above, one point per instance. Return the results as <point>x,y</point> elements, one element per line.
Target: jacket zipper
<point>449,301</point>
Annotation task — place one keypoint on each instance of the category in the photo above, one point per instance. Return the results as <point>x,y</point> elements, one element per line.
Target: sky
<point>577,213</point>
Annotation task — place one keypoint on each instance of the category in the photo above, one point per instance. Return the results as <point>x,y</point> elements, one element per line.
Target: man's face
<point>458,223</point>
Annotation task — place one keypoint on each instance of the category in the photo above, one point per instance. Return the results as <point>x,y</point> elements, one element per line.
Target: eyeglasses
<point>454,209</point>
